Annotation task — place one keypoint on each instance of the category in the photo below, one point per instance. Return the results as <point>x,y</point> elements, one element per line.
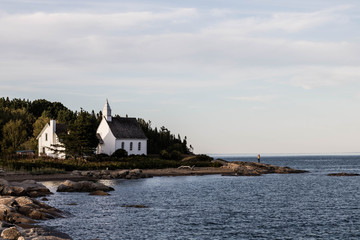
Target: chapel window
<point>139,146</point>
<point>122,145</point>
<point>45,136</point>
<point>131,146</point>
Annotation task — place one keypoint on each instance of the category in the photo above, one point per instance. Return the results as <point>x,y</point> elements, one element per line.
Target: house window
<point>131,146</point>
<point>139,146</point>
<point>45,136</point>
<point>122,145</point>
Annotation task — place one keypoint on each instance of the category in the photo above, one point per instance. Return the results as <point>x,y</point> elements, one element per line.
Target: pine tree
<point>81,138</point>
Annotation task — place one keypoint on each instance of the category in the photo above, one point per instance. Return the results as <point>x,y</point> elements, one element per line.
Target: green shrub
<point>203,158</point>
<point>43,165</point>
<point>120,153</point>
<point>164,154</point>
<point>98,158</point>
<point>175,155</point>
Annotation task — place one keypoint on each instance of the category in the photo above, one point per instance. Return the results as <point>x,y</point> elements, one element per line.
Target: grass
<point>42,165</point>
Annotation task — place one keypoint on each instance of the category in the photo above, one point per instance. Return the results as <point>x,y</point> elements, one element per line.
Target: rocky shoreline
<point>20,212</point>
<point>257,169</point>
<point>342,174</point>
<point>228,169</point>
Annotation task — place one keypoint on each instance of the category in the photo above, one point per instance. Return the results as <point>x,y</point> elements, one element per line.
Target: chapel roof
<point>127,128</point>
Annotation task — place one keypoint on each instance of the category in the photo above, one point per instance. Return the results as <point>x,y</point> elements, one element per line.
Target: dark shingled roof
<point>126,128</point>
<point>60,128</point>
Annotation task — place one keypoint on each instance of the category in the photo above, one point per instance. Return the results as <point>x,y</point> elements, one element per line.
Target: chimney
<point>53,125</point>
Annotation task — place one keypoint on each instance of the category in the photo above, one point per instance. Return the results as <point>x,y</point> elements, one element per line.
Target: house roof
<point>46,125</point>
<point>60,128</point>
<point>126,128</point>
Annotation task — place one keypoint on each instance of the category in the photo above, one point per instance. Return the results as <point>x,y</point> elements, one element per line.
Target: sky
<point>234,76</point>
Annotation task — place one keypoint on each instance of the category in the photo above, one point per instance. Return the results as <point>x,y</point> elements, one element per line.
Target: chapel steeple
<point>107,111</point>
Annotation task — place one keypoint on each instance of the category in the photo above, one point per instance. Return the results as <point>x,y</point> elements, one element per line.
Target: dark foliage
<point>120,153</point>
<point>163,139</point>
<point>81,140</point>
<point>16,111</point>
<point>43,164</point>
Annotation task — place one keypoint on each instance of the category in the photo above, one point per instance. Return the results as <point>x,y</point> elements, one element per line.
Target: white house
<point>48,139</point>
<point>120,133</point>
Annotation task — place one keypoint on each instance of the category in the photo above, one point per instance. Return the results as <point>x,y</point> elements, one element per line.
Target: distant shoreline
<point>166,172</point>
<point>229,168</point>
<point>248,155</point>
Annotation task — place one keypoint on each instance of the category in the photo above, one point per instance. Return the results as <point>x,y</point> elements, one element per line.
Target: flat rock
<point>44,233</point>
<point>99,193</point>
<point>19,210</point>
<point>135,206</point>
<point>342,174</point>
<point>82,186</point>
<point>26,188</point>
<point>10,233</point>
<point>257,169</point>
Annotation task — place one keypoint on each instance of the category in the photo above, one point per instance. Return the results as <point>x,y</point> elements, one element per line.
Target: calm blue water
<point>296,206</point>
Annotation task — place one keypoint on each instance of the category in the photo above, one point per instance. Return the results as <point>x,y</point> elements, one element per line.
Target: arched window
<point>139,146</point>
<point>131,146</point>
<point>122,145</point>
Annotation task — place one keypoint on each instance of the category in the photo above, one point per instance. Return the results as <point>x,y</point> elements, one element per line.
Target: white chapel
<point>120,133</point>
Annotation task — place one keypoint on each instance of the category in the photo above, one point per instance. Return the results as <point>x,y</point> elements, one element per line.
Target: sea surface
<point>294,206</point>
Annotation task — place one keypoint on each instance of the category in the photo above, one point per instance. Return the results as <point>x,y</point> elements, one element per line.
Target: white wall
<point>108,147</point>
<point>111,144</point>
<point>135,142</point>
<point>45,143</point>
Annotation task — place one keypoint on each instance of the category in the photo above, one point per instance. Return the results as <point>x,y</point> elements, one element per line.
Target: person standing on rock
<point>258,156</point>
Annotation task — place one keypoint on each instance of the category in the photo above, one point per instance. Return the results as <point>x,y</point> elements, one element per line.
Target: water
<point>295,206</point>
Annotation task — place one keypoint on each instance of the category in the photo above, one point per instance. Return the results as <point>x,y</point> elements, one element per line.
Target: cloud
<point>290,22</point>
<point>258,98</point>
<point>315,77</point>
<point>75,23</point>
<point>151,51</point>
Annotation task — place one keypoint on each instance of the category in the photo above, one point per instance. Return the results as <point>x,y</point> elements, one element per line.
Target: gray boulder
<point>82,186</point>
<point>10,233</point>
<point>25,188</point>
<point>23,209</point>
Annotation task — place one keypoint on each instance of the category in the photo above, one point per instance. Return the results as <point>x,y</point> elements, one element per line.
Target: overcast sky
<point>250,76</point>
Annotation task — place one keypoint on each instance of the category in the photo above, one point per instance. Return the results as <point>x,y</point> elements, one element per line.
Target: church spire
<point>107,111</point>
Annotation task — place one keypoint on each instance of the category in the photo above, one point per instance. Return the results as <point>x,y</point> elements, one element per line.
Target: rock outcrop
<point>24,210</point>
<point>135,206</point>
<point>257,169</point>
<point>16,212</point>
<point>26,188</point>
<point>113,174</point>
<point>11,233</point>
<point>17,209</point>
<point>99,193</point>
<point>343,174</point>
<point>82,186</point>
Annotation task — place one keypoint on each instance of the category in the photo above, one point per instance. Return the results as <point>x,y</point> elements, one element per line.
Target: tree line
<point>21,121</point>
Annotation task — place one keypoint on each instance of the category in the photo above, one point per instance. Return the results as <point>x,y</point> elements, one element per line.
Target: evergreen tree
<point>158,141</point>
<point>81,138</point>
